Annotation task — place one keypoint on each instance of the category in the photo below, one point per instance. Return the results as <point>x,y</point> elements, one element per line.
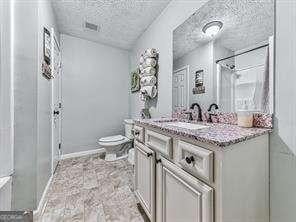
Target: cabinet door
<point>145,178</point>
<point>183,197</point>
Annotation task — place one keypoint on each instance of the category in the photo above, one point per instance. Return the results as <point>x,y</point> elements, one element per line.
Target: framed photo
<point>46,46</point>
<point>199,82</point>
<point>135,81</point>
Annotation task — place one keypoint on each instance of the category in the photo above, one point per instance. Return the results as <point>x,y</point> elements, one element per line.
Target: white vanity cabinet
<point>145,178</point>
<point>182,180</point>
<point>182,197</point>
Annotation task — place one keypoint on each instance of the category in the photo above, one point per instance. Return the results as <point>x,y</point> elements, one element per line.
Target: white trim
<point>53,42</point>
<point>271,74</point>
<point>188,81</point>
<point>42,203</point>
<point>82,153</point>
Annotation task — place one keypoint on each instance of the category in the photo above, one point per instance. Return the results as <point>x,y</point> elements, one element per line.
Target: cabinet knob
<point>189,159</point>
<point>136,133</point>
<point>158,161</point>
<point>149,154</point>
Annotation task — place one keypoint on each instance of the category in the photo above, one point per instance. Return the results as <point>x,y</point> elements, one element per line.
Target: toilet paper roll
<point>148,71</point>
<point>152,53</point>
<point>150,91</point>
<point>150,62</point>
<point>148,81</point>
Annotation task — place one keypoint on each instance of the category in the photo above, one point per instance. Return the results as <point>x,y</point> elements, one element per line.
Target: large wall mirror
<point>223,54</point>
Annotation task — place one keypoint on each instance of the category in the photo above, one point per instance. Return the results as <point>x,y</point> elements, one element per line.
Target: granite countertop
<point>218,134</point>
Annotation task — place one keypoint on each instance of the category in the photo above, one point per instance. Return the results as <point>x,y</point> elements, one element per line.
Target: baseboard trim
<point>82,153</point>
<point>42,203</point>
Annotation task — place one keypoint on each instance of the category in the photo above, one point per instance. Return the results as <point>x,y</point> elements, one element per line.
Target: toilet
<point>117,146</point>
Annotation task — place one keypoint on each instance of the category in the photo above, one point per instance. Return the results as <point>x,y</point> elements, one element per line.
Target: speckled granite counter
<point>216,134</point>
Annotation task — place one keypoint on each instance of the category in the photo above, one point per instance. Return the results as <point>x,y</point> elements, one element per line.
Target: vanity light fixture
<point>212,28</point>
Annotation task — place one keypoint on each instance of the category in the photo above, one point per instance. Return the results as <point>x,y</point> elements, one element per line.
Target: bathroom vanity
<point>201,172</point>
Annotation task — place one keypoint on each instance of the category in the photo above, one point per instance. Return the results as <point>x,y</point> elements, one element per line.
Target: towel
<point>151,53</point>
<point>150,91</point>
<point>148,81</point>
<point>148,71</point>
<point>142,59</point>
<point>150,62</point>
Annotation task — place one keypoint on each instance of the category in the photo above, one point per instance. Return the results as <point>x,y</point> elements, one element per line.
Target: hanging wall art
<point>46,68</point>
<point>148,74</point>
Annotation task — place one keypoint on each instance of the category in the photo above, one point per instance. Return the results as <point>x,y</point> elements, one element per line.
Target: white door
<point>183,197</point>
<point>56,102</point>
<point>145,178</point>
<point>180,88</point>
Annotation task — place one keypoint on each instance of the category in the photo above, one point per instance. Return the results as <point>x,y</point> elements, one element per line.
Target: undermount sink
<point>191,126</point>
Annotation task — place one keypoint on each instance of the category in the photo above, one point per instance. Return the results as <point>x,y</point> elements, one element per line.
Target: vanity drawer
<point>196,160</point>
<point>159,142</point>
<point>139,133</point>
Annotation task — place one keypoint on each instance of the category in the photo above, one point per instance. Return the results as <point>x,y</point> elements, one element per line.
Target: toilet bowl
<point>117,146</point>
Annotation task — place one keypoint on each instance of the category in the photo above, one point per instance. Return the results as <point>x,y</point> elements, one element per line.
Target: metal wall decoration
<point>148,74</point>
<point>199,82</point>
<point>135,81</point>
<point>46,69</point>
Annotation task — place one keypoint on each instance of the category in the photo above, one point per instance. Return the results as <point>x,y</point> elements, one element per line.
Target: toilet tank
<point>129,125</point>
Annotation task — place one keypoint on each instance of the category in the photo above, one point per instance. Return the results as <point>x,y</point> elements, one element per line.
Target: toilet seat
<point>113,140</point>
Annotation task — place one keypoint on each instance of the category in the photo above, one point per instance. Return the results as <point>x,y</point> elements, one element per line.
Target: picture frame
<point>135,81</point>
<point>46,45</point>
<point>199,87</point>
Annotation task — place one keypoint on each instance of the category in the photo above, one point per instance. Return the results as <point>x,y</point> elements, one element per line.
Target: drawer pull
<point>149,154</point>
<point>189,160</point>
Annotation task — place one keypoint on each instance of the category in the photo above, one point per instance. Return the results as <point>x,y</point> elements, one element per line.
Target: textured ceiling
<point>245,23</point>
<point>121,22</point>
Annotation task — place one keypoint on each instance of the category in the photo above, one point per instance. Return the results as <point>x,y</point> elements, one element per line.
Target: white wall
<point>200,58</point>
<point>159,35</point>
<point>283,140</point>
<point>95,86</point>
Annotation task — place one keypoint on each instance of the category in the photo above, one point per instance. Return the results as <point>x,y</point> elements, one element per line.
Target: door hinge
<point>60,105</point>
<point>60,146</point>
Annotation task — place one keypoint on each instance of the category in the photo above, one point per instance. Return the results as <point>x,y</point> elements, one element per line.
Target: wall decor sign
<point>199,82</point>
<point>135,81</point>
<point>46,69</point>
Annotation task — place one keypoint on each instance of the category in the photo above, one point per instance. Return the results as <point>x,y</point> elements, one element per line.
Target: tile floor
<point>90,189</point>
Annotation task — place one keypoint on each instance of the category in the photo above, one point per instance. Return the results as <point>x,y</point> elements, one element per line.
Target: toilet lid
<point>112,138</point>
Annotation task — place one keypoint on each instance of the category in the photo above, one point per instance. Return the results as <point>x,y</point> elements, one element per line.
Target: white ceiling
<point>121,21</point>
<point>245,23</point>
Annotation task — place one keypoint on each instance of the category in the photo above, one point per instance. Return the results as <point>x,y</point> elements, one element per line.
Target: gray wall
<point>283,140</point>
<point>200,58</point>
<point>32,99</point>
<point>25,104</point>
<point>6,106</point>
<point>159,35</point>
<point>95,86</point>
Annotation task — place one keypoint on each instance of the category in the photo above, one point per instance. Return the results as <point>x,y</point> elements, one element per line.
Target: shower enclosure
<point>245,79</point>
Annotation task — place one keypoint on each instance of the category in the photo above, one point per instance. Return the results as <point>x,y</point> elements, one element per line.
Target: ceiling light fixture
<point>212,28</point>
